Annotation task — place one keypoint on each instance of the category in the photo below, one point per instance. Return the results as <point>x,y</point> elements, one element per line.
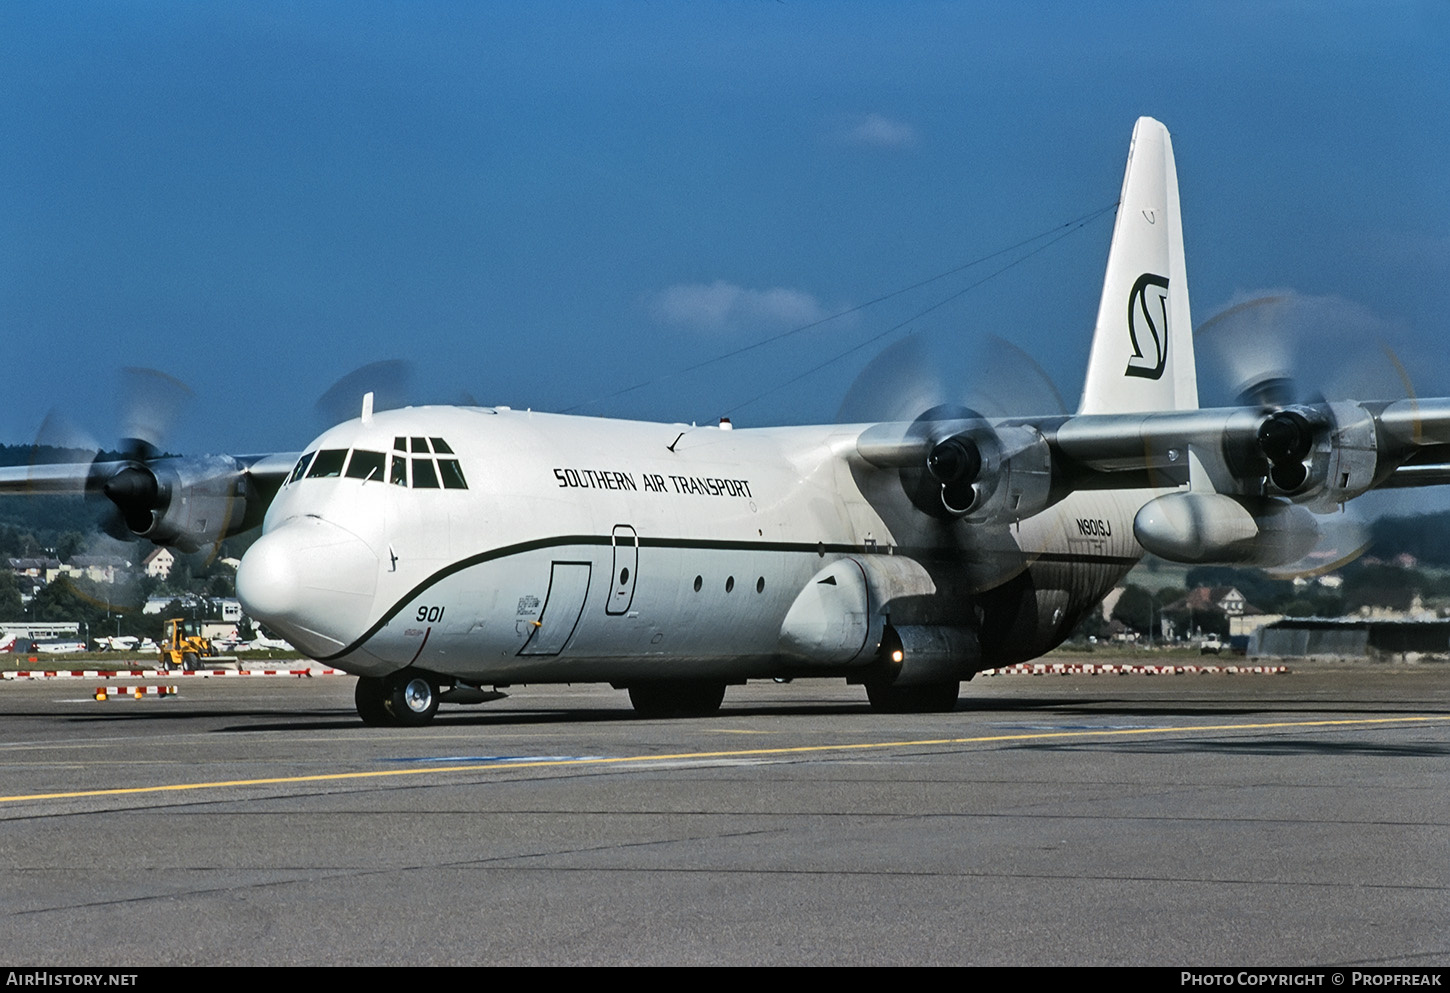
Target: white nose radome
<point>312,582</point>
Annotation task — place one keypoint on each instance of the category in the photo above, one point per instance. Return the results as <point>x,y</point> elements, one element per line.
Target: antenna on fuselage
<point>367,410</point>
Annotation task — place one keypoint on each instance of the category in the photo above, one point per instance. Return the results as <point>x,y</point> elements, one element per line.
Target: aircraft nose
<point>311,582</point>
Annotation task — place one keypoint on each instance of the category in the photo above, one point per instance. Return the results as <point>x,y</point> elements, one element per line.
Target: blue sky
<point>541,205</point>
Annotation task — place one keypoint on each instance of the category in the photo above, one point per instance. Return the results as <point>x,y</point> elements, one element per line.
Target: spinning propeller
<point>188,502</point>
<point>969,476</point>
<point>390,381</point>
<point>1311,450</point>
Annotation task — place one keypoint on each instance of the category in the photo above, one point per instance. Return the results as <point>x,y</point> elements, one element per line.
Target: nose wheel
<point>404,699</point>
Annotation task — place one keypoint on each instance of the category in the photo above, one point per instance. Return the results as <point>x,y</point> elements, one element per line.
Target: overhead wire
<point>1060,230</point>
<point>917,316</point>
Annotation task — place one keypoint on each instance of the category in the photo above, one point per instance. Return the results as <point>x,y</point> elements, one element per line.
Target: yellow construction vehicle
<point>182,645</point>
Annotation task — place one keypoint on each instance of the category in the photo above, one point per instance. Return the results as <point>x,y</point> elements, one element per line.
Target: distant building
<point>34,568</point>
<point>1417,611</point>
<point>99,568</point>
<point>38,629</point>
<point>1243,617</point>
<point>1350,637</point>
<point>158,564</point>
<point>191,605</point>
<point>1225,598</point>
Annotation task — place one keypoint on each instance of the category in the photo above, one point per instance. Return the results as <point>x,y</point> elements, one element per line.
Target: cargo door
<point>568,586</point>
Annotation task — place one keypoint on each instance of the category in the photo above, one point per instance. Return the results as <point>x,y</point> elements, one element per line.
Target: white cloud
<point>882,132</point>
<point>725,307</point>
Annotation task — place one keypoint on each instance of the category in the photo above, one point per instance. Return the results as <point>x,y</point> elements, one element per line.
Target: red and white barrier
<point>104,693</point>
<point>158,673</point>
<point>1090,669</point>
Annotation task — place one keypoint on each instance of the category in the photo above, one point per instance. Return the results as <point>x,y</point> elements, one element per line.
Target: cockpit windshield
<point>420,463</point>
<point>365,465</point>
<point>328,463</point>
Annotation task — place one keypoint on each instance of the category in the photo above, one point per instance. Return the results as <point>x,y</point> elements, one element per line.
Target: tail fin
<point>1142,353</point>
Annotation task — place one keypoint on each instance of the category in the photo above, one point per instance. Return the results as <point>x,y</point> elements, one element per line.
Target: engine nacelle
<point>1319,456</point>
<point>186,503</point>
<point>1217,528</point>
<point>984,476</point>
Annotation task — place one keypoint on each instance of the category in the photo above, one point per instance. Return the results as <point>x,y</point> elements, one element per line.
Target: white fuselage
<point>590,549</point>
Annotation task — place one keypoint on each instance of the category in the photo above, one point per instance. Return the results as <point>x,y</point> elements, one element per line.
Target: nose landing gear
<point>403,699</point>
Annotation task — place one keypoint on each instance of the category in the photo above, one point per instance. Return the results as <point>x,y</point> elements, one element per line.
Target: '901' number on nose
<point>430,614</point>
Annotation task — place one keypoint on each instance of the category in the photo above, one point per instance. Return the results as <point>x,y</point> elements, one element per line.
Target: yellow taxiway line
<point>728,754</point>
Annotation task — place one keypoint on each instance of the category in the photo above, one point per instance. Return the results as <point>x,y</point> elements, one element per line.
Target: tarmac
<point>1197,819</point>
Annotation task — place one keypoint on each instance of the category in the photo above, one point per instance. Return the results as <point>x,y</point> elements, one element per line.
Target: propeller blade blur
<point>389,381</point>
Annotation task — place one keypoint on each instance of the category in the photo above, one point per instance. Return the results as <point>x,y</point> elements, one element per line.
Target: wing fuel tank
<point>1215,527</point>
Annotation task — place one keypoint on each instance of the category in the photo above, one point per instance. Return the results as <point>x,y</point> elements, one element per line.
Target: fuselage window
<point>401,444</point>
<point>452,474</point>
<point>399,475</point>
<point>420,445</point>
<point>328,463</point>
<point>424,475</point>
<point>301,467</point>
<point>440,446</point>
<point>366,465</point>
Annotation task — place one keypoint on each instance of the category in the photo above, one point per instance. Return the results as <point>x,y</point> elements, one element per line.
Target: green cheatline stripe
<point>735,753</point>
<point>556,541</point>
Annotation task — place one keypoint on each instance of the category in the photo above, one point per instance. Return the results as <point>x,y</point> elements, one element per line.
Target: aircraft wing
<point>57,478</point>
<point>1237,476</point>
<point>186,501</point>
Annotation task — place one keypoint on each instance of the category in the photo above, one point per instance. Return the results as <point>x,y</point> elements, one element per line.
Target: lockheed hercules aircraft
<point>442,552</point>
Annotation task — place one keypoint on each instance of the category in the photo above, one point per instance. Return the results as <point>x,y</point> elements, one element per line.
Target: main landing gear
<point>677,698</point>
<point>402,699</point>
<point>924,698</point>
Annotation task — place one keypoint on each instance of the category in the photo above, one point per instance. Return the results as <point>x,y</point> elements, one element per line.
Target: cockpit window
<point>366,465</point>
<point>424,476</point>
<point>418,468</point>
<point>452,474</point>
<point>301,467</point>
<point>328,463</point>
